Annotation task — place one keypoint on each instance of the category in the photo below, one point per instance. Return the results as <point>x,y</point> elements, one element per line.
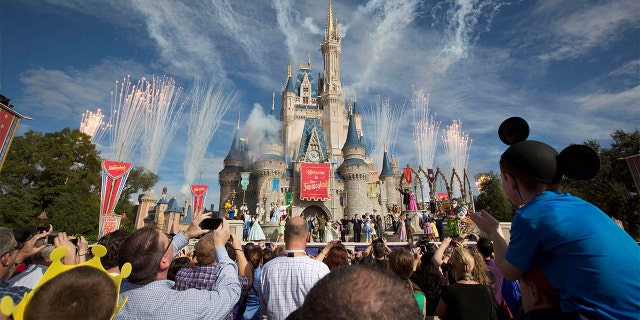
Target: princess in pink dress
<point>402,230</point>
<point>412,202</point>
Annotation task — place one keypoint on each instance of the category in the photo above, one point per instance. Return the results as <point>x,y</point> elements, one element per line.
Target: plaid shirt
<point>199,277</point>
<point>16,293</point>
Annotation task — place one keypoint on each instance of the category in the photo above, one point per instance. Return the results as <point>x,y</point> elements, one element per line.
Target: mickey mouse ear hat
<point>541,162</point>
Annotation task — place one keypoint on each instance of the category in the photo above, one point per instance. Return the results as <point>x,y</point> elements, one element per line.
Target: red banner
<point>114,176</point>
<point>108,225</point>
<point>314,181</point>
<point>408,175</point>
<point>198,194</point>
<point>9,121</point>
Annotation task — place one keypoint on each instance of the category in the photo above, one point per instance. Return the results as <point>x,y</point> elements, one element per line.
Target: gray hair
<point>7,240</point>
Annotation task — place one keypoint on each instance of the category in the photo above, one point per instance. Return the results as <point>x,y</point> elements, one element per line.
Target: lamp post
<point>42,222</point>
<point>264,203</point>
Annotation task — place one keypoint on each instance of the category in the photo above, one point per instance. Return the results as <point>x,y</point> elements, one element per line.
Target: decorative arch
<point>318,210</point>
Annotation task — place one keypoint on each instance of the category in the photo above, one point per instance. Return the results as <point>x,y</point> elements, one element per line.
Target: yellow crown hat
<point>6,304</point>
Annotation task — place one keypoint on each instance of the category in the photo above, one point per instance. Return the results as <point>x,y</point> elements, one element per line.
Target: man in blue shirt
<point>149,293</point>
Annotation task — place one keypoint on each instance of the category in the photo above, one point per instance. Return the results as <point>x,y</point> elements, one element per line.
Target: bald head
<point>296,229</point>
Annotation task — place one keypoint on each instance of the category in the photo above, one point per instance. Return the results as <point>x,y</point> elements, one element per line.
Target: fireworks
<point>457,145</point>
<point>425,130</point>
<point>384,121</point>
<point>92,124</point>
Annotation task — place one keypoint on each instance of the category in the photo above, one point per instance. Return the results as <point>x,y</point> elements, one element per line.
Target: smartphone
<point>267,244</point>
<point>210,223</point>
<point>52,236</point>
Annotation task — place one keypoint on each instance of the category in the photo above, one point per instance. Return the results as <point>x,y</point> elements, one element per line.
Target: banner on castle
<point>287,198</point>
<point>634,166</point>
<point>408,175</point>
<point>108,225</point>
<point>275,184</point>
<point>373,191</point>
<point>245,180</point>
<point>114,176</point>
<point>430,174</point>
<point>343,198</point>
<point>9,121</point>
<point>314,181</point>
<point>198,196</point>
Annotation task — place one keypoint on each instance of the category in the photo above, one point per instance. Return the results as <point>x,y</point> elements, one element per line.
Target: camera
<point>210,223</point>
<point>51,236</point>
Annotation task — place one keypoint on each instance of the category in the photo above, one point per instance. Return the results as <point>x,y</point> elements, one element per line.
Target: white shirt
<point>285,282</point>
<point>29,277</point>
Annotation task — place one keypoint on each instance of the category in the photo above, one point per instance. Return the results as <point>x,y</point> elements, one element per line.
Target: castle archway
<point>314,210</point>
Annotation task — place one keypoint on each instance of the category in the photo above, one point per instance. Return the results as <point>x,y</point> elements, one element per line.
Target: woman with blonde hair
<point>466,298</point>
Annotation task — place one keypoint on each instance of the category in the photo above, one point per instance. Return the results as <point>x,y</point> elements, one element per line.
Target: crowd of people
<point>565,260</point>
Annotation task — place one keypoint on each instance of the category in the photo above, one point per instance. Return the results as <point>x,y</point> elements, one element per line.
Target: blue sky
<point>570,68</point>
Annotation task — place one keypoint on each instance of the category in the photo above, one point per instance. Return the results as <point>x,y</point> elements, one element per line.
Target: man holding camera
<point>149,293</point>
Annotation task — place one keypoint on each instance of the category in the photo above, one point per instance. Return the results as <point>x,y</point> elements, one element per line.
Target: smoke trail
<point>128,106</point>
<point>390,17</point>
<point>462,19</point>
<point>286,24</point>
<point>162,117</point>
<point>425,130</point>
<point>457,145</point>
<point>208,107</point>
<point>259,126</point>
<point>384,122</point>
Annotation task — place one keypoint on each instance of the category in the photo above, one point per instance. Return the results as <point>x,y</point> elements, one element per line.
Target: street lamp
<point>264,203</point>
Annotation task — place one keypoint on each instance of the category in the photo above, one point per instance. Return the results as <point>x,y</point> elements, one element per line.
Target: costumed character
<point>256,233</point>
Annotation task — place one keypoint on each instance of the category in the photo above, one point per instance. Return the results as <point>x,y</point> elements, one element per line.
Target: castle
<point>316,165</point>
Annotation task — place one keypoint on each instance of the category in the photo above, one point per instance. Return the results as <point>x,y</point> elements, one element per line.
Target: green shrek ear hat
<point>541,162</point>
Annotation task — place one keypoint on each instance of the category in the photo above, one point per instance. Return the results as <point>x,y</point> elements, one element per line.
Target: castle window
<point>305,100</point>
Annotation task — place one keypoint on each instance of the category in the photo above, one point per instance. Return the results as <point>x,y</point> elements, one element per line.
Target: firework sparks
<point>92,124</point>
<point>384,122</point>
<point>457,145</point>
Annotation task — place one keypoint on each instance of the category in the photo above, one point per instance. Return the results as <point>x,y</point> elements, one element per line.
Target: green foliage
<point>613,189</point>
<point>55,172</point>
<point>60,173</point>
<point>492,198</point>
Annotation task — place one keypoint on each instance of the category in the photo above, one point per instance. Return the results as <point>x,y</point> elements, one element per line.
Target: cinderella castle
<point>318,164</point>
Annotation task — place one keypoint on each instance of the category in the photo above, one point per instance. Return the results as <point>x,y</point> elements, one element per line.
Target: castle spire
<point>309,58</point>
<point>273,103</point>
<point>238,127</point>
<point>329,31</point>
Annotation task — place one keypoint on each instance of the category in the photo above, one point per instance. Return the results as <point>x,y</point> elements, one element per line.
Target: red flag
<point>408,175</point>
<point>198,194</point>
<point>634,166</point>
<point>9,121</point>
<point>114,176</point>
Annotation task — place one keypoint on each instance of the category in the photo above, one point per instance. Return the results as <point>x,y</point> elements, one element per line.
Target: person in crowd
<point>430,279</point>
<point>334,255</point>
<point>376,255</point>
<point>480,271</point>
<point>406,198</point>
<point>322,224</point>
<point>150,296</point>
<point>112,241</point>
<point>401,263</point>
<point>575,245</point>
<point>177,264</point>
<point>485,247</point>
<point>466,299</point>
<point>246,217</point>
<point>204,274</point>
<point>344,235</point>
<point>245,274</point>
<point>286,280</point>
<point>83,292</point>
<point>40,261</point>
<point>540,301</point>
<point>252,309</point>
<point>357,228</point>
<point>372,294</point>
<point>11,256</point>
<point>409,226</point>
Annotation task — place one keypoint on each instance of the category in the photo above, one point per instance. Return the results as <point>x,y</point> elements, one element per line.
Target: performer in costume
<point>256,233</point>
<point>412,202</point>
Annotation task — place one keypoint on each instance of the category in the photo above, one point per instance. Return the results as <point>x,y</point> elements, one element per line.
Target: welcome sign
<point>314,181</point>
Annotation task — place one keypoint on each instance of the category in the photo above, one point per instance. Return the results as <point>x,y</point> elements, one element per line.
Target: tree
<point>58,173</point>
<point>613,189</point>
<point>492,198</point>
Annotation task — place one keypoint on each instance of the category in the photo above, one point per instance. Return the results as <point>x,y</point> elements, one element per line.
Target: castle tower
<point>389,181</point>
<point>270,164</point>
<point>354,171</point>
<point>146,203</point>
<point>229,177</point>
<point>331,97</point>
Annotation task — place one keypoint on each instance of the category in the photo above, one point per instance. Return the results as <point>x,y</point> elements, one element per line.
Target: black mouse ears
<point>575,161</point>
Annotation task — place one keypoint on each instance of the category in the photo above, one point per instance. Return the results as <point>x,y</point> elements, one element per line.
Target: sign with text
<point>314,181</point>
<point>198,195</point>
<point>114,176</point>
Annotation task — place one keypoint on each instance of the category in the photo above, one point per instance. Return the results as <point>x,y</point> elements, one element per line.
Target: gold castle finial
<point>288,69</point>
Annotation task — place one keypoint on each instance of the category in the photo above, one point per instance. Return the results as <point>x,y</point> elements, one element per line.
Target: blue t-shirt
<point>593,264</point>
